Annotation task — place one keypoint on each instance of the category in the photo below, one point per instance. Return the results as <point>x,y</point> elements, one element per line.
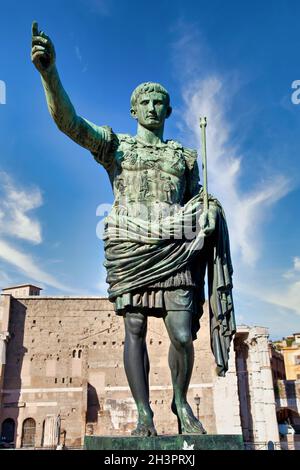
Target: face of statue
<point>151,110</point>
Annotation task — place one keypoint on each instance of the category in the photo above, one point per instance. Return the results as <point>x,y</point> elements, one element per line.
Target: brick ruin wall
<point>65,357</point>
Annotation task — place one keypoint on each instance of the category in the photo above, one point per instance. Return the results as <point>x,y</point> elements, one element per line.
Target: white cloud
<point>288,297</point>
<point>25,263</point>
<point>211,96</point>
<point>4,278</point>
<point>296,263</point>
<point>78,53</point>
<point>246,211</point>
<point>284,291</point>
<point>15,223</point>
<point>208,93</point>
<point>15,203</point>
<point>101,285</point>
<point>101,7</point>
<point>79,57</point>
<point>287,293</point>
<point>294,271</point>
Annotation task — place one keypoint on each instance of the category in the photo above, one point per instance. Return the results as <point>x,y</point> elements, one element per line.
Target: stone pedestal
<point>166,442</point>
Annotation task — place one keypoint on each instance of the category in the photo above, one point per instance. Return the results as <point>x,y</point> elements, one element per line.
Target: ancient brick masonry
<point>64,359</point>
<point>62,375</point>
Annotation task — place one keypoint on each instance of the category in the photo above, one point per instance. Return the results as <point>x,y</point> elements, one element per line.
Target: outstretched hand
<point>42,50</point>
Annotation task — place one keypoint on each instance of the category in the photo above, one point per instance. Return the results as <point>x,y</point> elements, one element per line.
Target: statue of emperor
<point>158,239</point>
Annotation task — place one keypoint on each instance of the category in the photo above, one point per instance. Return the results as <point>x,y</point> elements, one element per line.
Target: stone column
<point>241,354</point>
<point>262,398</point>
<point>4,338</point>
<point>226,400</point>
<point>51,431</point>
<point>5,301</point>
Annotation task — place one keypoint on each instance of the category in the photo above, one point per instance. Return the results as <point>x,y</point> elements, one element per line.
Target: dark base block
<point>172,442</point>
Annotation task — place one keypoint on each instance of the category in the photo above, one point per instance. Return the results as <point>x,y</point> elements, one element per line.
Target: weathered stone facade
<point>277,364</point>
<point>62,371</point>
<point>256,389</point>
<point>289,347</point>
<point>288,410</point>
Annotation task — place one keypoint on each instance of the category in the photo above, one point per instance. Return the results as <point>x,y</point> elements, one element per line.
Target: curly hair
<point>146,88</point>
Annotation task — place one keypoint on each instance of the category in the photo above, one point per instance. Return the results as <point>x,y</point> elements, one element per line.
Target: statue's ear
<point>133,113</point>
<point>169,112</point>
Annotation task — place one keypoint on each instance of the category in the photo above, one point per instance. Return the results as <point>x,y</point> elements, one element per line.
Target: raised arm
<point>60,107</point>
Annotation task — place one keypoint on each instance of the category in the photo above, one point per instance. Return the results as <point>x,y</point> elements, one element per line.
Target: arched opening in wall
<point>79,353</point>
<point>74,353</point>
<point>28,433</point>
<point>8,432</point>
<point>43,434</point>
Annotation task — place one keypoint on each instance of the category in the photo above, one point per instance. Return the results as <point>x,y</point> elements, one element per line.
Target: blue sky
<point>232,61</point>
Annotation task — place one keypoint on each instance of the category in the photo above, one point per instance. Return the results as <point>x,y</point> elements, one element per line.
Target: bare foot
<point>145,426</point>
<point>144,430</point>
<point>187,421</point>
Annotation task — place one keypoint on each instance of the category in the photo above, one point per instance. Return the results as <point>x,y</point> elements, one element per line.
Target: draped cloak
<point>139,253</point>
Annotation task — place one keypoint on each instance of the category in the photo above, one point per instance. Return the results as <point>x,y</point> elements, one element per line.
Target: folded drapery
<point>140,253</point>
<point>221,310</point>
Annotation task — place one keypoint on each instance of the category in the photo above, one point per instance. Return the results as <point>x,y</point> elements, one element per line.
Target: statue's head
<point>150,105</point>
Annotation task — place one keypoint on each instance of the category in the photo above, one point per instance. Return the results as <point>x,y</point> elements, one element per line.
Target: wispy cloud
<point>78,53</point>
<point>297,264</point>
<point>100,7</point>
<point>101,285</point>
<point>285,289</point>
<point>210,97</point>
<point>4,278</point>
<point>79,57</point>
<point>207,92</point>
<point>17,222</point>
<point>15,203</point>
<point>25,263</point>
<point>294,271</point>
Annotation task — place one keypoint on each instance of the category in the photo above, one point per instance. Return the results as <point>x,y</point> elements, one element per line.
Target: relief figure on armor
<point>168,189</point>
<point>145,185</point>
<point>150,274</point>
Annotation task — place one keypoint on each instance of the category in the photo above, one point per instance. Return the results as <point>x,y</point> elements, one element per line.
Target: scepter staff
<point>203,124</point>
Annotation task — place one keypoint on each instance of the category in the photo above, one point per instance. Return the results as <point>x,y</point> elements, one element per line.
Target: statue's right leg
<point>136,365</point>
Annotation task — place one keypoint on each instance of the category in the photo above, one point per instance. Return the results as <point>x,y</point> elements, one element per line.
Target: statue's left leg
<point>181,361</point>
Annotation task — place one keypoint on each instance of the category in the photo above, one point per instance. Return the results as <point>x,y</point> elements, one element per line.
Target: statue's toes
<point>200,428</point>
<point>137,432</point>
<point>144,431</point>
<point>193,427</point>
<point>152,432</point>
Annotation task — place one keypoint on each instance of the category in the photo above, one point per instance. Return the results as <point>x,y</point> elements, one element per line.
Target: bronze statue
<point>159,238</point>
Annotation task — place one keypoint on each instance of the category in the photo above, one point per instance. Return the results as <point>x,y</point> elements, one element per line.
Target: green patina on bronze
<point>186,443</point>
<point>153,266</point>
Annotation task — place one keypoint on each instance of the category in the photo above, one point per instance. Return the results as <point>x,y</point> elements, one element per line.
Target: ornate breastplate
<point>149,174</point>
